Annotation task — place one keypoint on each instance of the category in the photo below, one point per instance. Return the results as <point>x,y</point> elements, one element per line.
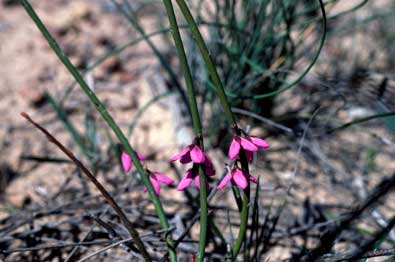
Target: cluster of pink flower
<point>248,144</point>
<point>155,177</point>
<point>194,154</point>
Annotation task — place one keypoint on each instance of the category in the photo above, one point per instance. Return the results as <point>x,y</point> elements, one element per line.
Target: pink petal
<point>163,178</point>
<point>253,179</point>
<point>234,149</point>
<point>180,154</point>
<point>248,145</point>
<point>197,155</point>
<point>259,142</point>
<point>145,189</point>
<point>185,181</point>
<point>249,155</point>
<point>126,162</point>
<point>225,181</point>
<point>239,178</point>
<point>155,185</point>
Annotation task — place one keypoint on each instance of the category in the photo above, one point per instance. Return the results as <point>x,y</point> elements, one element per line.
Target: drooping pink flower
<point>238,177</point>
<point>157,178</point>
<point>192,153</point>
<point>250,144</point>
<point>127,162</point>
<point>191,174</point>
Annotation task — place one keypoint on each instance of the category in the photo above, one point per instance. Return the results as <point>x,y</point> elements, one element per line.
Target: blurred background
<point>317,89</point>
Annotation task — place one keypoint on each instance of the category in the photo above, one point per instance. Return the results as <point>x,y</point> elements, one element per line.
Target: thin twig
<point>114,245</point>
<point>133,232</point>
<point>105,249</point>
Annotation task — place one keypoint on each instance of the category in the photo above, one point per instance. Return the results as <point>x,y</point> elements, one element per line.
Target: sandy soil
<point>86,31</point>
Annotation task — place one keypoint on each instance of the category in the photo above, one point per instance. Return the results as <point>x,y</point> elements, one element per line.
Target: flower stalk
<point>109,120</point>
<point>229,116</point>
<point>244,210</point>
<point>195,121</point>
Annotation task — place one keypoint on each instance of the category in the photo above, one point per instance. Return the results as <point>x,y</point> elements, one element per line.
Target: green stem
<point>228,114</point>
<point>106,116</point>
<point>361,120</point>
<point>208,60</point>
<point>195,121</point>
<point>203,214</point>
<point>244,211</point>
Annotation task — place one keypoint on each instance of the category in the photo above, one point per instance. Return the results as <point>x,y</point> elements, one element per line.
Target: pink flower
<point>191,174</point>
<point>191,153</point>
<point>250,144</point>
<point>157,178</point>
<point>239,177</point>
<point>195,154</point>
<point>126,161</point>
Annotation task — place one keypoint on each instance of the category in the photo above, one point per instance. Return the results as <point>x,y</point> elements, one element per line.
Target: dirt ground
<point>325,172</point>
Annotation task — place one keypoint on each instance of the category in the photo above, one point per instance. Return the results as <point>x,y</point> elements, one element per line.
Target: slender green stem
<point>106,116</point>
<point>244,211</point>
<point>361,120</point>
<point>195,121</point>
<point>203,215</point>
<point>229,115</point>
<point>184,66</point>
<point>208,60</point>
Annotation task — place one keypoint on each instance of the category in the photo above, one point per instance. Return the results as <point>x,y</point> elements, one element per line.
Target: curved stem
<point>106,116</point>
<point>195,121</point>
<point>361,120</point>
